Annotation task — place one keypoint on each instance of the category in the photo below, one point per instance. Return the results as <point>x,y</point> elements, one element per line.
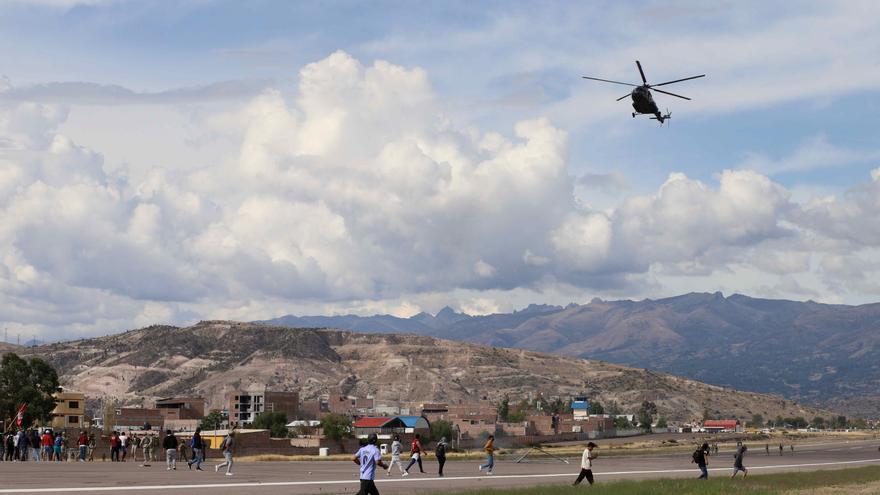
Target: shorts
<point>57,450</point>
<point>737,469</point>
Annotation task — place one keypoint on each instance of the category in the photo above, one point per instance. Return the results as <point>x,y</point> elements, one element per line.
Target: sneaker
<point>199,469</point>
<point>228,474</point>
<point>489,473</point>
<point>190,466</point>
<point>406,473</point>
<point>217,468</point>
<point>167,469</point>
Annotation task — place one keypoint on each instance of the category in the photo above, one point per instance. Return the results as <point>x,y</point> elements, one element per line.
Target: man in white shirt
<point>586,465</point>
<point>395,456</point>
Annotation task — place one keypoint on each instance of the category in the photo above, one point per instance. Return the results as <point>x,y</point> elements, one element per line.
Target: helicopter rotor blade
<point>670,94</point>
<point>624,96</point>
<point>639,65</point>
<point>677,80</point>
<point>609,81</point>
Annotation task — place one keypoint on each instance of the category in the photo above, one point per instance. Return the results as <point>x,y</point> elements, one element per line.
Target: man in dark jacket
<point>198,450</point>
<point>701,458</point>
<point>170,446</point>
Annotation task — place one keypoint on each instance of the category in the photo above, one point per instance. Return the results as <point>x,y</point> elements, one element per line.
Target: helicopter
<point>643,102</point>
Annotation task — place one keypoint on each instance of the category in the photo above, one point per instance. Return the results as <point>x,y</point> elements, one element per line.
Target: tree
<point>274,421</point>
<point>516,416</point>
<point>818,422</point>
<point>32,382</point>
<point>646,415</point>
<point>757,420</point>
<point>336,426</point>
<point>622,423</point>
<point>661,423</point>
<point>613,408</point>
<point>503,408</point>
<point>840,422</point>
<point>596,407</point>
<point>212,421</point>
<point>441,428</point>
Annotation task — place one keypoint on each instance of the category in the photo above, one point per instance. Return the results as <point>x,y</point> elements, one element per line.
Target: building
<point>70,409</point>
<point>136,418</point>
<point>385,427</point>
<point>722,426</point>
<point>580,407</point>
<point>435,410</point>
<point>245,406</point>
<point>475,425</point>
<point>177,408</point>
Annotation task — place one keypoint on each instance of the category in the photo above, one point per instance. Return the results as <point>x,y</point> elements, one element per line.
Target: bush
<point>275,422</point>
<point>440,429</point>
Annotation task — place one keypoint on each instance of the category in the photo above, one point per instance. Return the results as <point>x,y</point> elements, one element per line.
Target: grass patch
<point>766,484</point>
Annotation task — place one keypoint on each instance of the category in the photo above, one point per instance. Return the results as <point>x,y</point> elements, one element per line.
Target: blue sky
<point>408,125</point>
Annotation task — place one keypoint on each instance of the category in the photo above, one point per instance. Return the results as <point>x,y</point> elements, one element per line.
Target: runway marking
<point>253,484</point>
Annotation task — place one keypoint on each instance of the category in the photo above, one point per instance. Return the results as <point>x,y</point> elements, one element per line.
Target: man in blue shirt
<point>368,457</point>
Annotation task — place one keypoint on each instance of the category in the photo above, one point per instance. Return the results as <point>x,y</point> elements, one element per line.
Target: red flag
<point>20,416</point>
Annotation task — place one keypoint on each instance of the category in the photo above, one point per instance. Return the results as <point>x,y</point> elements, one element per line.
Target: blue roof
<point>410,421</point>
<point>580,405</point>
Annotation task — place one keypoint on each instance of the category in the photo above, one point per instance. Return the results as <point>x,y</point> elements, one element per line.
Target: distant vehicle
<point>642,101</point>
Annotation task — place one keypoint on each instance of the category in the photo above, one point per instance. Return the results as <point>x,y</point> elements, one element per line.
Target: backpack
<point>441,450</point>
<point>698,457</point>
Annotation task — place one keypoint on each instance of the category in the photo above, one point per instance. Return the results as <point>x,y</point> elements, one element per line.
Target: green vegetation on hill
<point>768,484</point>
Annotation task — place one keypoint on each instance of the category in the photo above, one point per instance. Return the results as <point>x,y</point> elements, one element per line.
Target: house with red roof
<point>722,426</point>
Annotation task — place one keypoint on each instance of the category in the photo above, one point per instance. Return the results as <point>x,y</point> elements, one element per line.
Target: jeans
<point>198,458</point>
<point>35,454</point>
<point>368,487</point>
<point>227,462</point>
<point>171,458</point>
<point>705,472</point>
<point>82,452</point>
<point>441,460</point>
<point>490,463</point>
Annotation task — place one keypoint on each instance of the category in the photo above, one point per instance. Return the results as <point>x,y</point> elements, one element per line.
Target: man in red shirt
<point>83,445</point>
<point>46,443</point>
<point>415,455</point>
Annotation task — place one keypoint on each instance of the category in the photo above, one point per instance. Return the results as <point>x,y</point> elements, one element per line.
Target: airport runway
<point>336,477</point>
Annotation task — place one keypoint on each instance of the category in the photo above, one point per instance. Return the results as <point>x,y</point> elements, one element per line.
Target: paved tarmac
<point>336,477</point>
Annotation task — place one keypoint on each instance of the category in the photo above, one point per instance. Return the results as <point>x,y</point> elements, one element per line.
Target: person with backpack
<point>396,448</point>
<point>586,465</point>
<point>701,459</point>
<point>440,452</point>
<point>415,455</point>
<point>170,446</point>
<point>228,449</point>
<point>198,450</point>
<point>738,461</point>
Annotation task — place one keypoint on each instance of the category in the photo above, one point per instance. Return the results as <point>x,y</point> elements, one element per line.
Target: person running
<point>368,457</point>
<point>738,462</point>
<point>198,449</point>
<point>415,455</point>
<point>489,448</point>
<point>780,449</point>
<point>767,448</point>
<point>440,452</point>
<point>147,446</point>
<point>701,459</point>
<point>396,448</point>
<point>170,446</point>
<point>228,449</point>
<point>83,444</point>
<point>586,465</point>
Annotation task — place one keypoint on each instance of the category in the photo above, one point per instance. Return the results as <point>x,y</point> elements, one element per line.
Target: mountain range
<point>213,358</point>
<point>823,354</point>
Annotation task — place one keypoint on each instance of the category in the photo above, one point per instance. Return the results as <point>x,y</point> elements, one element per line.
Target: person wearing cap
<point>368,457</point>
<point>586,465</point>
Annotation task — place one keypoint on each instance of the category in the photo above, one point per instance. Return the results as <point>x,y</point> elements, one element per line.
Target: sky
<point>179,160</point>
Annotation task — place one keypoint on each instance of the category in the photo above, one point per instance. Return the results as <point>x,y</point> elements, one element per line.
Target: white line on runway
<point>253,484</point>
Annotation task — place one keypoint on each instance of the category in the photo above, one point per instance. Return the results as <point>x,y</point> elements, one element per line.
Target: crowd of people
<point>45,445</point>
